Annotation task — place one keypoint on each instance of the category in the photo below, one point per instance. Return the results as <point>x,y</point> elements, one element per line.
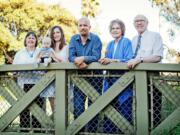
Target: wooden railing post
<point>60,103</point>
<point>142,119</point>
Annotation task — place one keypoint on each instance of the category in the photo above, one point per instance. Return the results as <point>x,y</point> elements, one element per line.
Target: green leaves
<point>170,9</point>
<point>26,15</point>
<point>90,8</point>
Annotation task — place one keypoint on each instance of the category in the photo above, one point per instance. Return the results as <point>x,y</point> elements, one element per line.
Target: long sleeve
<point>158,45</point>
<point>109,49</point>
<point>16,58</point>
<point>128,51</point>
<point>96,52</point>
<point>123,52</point>
<point>72,50</point>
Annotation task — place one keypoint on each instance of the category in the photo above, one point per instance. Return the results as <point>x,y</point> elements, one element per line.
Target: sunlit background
<point>107,10</point>
<point>126,10</point>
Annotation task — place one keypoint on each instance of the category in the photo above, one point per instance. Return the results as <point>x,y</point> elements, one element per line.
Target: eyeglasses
<point>115,28</point>
<point>136,21</point>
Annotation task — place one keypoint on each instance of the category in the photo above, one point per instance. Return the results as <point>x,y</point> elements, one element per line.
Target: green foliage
<point>7,42</point>
<point>170,9</point>
<point>175,53</point>
<point>19,16</point>
<point>90,8</point>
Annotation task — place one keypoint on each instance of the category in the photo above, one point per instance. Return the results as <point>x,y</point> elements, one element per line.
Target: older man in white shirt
<point>147,48</point>
<point>150,49</point>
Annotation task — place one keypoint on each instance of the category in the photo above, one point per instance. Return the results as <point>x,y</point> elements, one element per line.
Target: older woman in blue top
<point>118,50</point>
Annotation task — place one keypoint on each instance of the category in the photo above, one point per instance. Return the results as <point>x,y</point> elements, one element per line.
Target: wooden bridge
<point>150,114</point>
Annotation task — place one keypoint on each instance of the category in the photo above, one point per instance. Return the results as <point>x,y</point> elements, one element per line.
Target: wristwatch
<point>141,58</point>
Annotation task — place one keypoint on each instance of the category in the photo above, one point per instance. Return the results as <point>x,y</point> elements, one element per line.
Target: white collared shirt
<point>151,44</point>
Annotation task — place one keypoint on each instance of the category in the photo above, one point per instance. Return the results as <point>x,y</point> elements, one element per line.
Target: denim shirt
<point>123,53</point>
<point>91,50</point>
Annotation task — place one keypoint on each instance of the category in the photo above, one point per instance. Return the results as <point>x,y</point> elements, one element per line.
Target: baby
<point>46,54</point>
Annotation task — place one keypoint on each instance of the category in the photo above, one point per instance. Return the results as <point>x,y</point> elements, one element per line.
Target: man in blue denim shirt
<point>84,49</point>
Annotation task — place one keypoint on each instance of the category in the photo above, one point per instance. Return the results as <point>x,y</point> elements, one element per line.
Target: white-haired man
<point>147,48</point>
<point>147,45</point>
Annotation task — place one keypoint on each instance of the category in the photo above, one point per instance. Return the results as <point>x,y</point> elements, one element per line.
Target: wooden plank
<point>16,133</point>
<point>168,91</point>
<point>95,65</point>
<point>60,103</point>
<point>21,104</point>
<point>100,103</point>
<point>8,97</point>
<point>110,112</point>
<point>142,118</point>
<point>118,120</point>
<point>34,108</point>
<point>169,123</point>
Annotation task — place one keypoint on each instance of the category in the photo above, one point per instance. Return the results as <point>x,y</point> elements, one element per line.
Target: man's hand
<point>78,61</point>
<point>133,62</point>
<point>83,65</point>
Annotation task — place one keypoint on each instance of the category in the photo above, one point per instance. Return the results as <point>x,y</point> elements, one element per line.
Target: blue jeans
<point>122,103</point>
<point>80,97</point>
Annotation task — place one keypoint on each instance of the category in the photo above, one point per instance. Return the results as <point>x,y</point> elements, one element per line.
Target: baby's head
<point>46,42</point>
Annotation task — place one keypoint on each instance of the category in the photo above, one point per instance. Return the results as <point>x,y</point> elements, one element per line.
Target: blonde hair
<point>46,39</point>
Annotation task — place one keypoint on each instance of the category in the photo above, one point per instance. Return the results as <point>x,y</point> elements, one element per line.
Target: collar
<point>119,40</point>
<point>144,33</point>
<point>78,38</point>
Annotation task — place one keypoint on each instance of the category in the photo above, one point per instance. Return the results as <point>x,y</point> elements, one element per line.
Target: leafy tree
<point>89,8</point>
<point>175,54</point>
<point>6,39</point>
<point>170,10</point>
<point>17,17</point>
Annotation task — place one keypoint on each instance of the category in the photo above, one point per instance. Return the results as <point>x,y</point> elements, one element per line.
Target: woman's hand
<point>55,58</point>
<point>105,61</point>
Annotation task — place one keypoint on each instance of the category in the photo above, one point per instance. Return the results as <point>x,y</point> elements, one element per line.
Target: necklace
<point>30,53</point>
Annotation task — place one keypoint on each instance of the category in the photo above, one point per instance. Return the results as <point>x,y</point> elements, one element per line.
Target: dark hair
<point>120,23</point>
<point>33,34</point>
<point>62,40</point>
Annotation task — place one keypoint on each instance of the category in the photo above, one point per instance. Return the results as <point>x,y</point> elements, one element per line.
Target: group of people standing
<point>85,48</point>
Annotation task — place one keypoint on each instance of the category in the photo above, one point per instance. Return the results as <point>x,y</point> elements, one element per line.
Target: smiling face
<point>116,31</point>
<point>56,34</point>
<point>140,23</point>
<point>46,42</point>
<point>30,41</point>
<point>57,37</point>
<point>84,26</point>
